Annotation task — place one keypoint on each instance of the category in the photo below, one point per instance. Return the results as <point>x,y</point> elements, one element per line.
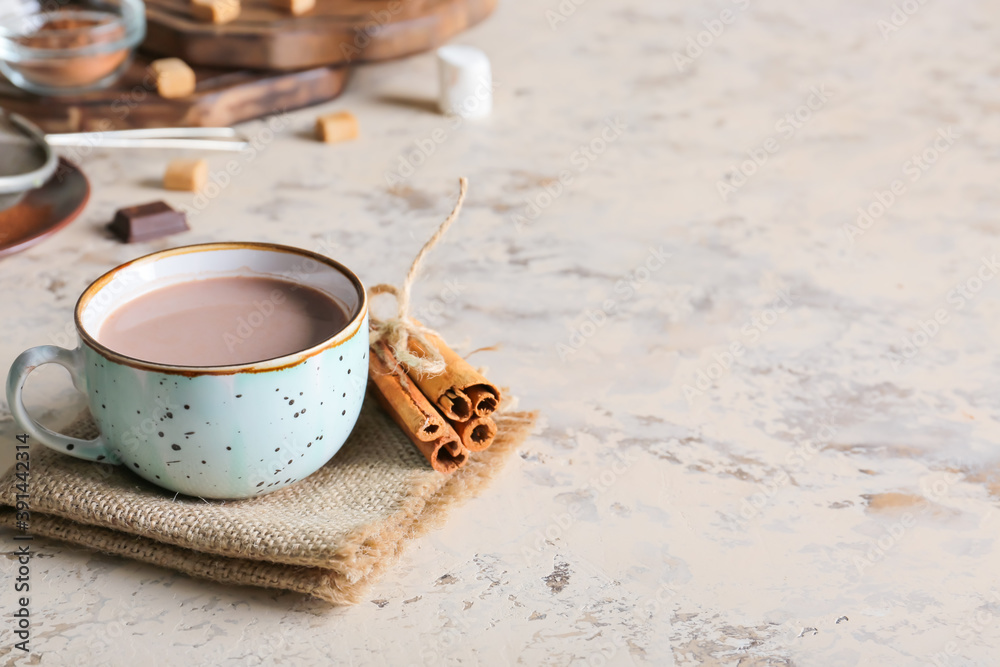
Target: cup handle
<point>71,360</point>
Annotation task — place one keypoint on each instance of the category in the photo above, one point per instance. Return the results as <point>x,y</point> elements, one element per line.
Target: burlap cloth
<point>330,535</point>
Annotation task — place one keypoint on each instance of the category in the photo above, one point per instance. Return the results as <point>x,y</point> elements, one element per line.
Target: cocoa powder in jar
<point>68,30</point>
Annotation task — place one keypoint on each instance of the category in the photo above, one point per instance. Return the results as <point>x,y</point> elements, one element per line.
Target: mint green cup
<point>211,431</point>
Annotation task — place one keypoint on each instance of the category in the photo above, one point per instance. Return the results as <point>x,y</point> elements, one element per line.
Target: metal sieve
<point>26,159</point>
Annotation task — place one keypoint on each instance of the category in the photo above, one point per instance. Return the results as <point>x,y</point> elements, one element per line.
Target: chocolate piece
<point>147,221</point>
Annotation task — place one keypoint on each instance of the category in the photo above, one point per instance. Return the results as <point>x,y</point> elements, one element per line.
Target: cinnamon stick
<point>477,434</point>
<point>421,418</point>
<point>484,402</point>
<point>454,404</point>
<point>460,392</point>
<point>445,454</point>
<point>414,414</point>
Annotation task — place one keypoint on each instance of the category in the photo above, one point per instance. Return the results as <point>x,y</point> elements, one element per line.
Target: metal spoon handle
<point>153,133</point>
<point>128,142</point>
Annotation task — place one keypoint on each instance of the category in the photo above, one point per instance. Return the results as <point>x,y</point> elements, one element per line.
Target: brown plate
<point>44,211</point>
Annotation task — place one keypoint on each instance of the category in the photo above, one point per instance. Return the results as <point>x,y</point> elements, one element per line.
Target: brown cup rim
<point>263,366</point>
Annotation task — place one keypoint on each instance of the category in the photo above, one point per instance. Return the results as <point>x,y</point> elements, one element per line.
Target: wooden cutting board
<point>335,32</point>
<point>223,98</point>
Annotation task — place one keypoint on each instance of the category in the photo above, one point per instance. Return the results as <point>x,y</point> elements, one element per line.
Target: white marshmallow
<point>466,82</point>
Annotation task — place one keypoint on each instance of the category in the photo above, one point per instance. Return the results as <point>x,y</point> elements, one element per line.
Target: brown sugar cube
<point>336,127</point>
<point>173,77</point>
<point>190,175</point>
<point>215,11</point>
<point>294,7</point>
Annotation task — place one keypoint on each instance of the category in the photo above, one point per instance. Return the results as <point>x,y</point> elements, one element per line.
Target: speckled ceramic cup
<point>213,431</point>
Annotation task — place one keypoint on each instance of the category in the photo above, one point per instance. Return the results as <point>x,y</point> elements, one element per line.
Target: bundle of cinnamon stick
<point>439,400</point>
<point>446,415</point>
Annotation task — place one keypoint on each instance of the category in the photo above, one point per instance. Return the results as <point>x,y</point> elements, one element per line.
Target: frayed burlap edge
<point>362,560</point>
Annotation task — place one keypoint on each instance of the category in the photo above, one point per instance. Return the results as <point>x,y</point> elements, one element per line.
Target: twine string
<point>397,331</point>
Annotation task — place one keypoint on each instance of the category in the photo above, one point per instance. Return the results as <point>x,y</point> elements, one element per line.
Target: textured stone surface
<point>829,498</point>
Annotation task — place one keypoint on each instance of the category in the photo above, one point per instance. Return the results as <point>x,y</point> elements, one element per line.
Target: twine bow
<point>397,331</point>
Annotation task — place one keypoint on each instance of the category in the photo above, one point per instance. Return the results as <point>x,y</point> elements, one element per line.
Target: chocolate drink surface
<point>222,322</point>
